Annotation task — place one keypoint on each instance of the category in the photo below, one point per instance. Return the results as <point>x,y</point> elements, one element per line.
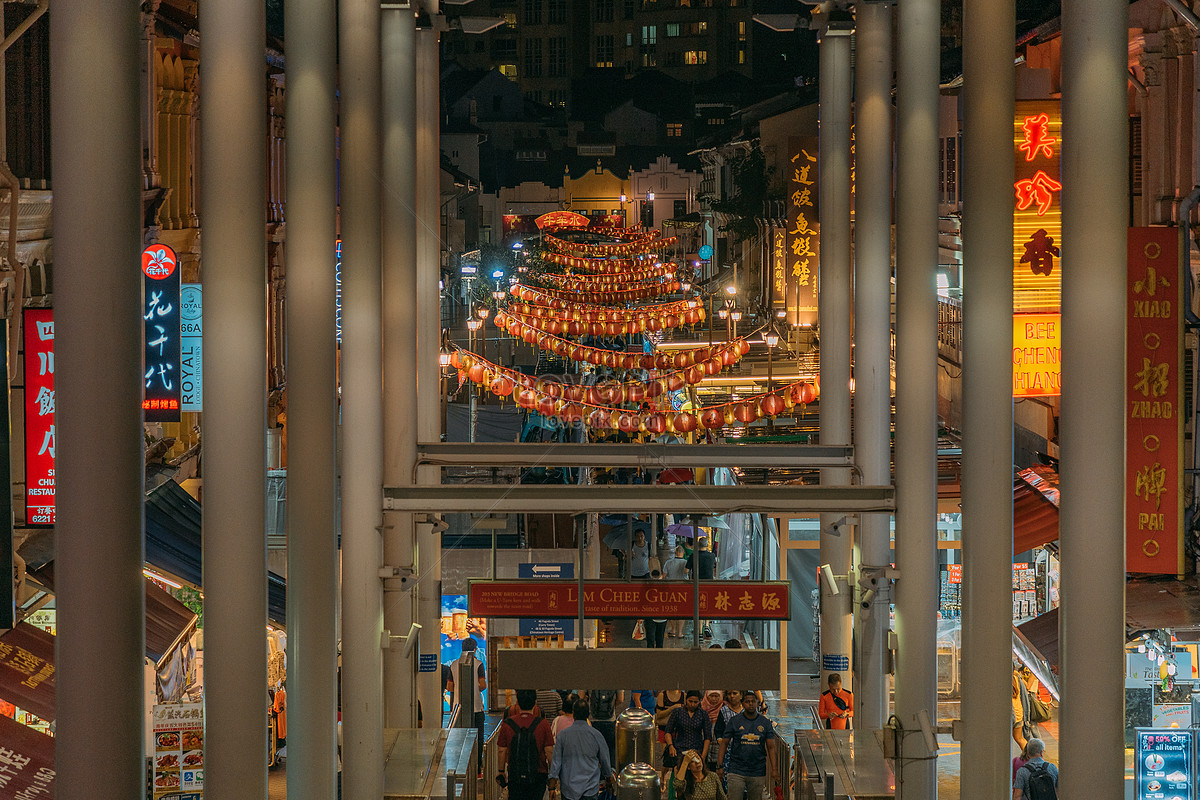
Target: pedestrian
<point>550,702</point>
<point>469,660</point>
<point>664,703</point>
<point>566,716</point>
<point>1020,760</point>
<point>656,629</point>
<point>1018,714</point>
<point>711,705</point>
<point>730,707</point>
<point>602,705</point>
<point>706,562</point>
<point>675,569</point>
<point>694,781</point>
<point>643,699</point>
<point>1037,779</point>
<point>639,557</point>
<point>580,762</point>
<point>836,706</point>
<point>749,740</point>
<point>687,729</point>
<point>525,747</point>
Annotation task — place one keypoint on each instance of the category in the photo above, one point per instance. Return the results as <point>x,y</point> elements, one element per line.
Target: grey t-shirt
<point>675,569</point>
<point>639,559</point>
<point>1026,772</point>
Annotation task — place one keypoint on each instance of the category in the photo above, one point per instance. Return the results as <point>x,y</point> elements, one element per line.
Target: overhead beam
<point>573,499</point>
<point>670,668</point>
<point>647,456</point>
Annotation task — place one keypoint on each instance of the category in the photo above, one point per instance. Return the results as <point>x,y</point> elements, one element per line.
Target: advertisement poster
<point>1164,764</point>
<point>178,751</point>
<point>549,626</point>
<point>39,416</point>
<point>457,626</point>
<point>1154,404</point>
<point>27,766</point>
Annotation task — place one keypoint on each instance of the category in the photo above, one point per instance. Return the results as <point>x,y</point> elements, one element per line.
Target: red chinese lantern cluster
<point>594,405</point>
<point>622,271</point>
<point>587,283</point>
<point>546,306</point>
<point>611,296</point>
<point>648,244</point>
<point>599,323</point>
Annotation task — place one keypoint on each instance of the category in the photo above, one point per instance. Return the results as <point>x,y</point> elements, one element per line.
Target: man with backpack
<point>526,746</point>
<point>1038,778</point>
<point>603,708</point>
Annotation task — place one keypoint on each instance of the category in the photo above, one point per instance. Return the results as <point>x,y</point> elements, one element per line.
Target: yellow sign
<point>1037,355</point>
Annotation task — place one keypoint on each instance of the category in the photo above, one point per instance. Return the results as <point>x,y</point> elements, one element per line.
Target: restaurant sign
<point>26,761</point>
<point>39,416</point>
<point>803,243</point>
<point>1153,404</point>
<point>628,600</point>
<point>160,312</point>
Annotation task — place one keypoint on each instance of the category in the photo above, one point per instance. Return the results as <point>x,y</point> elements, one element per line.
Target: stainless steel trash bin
<point>638,782</point>
<point>635,737</point>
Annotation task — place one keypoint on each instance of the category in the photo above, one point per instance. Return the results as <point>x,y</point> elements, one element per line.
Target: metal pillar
<point>97,225</point>
<point>399,354</point>
<point>873,334</point>
<point>312,401</point>
<point>987,504</point>
<point>429,331</point>
<point>834,311</point>
<point>916,390</point>
<point>235,553</point>
<point>362,402</point>
<point>1092,622</point>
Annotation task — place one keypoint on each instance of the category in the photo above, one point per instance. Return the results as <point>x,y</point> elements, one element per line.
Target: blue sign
<point>428,662</point>
<point>706,251</point>
<point>337,289</point>
<point>1164,764</point>
<point>546,627</point>
<point>835,662</point>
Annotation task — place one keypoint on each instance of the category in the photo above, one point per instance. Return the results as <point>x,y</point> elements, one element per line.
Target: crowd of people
<point>715,745</point>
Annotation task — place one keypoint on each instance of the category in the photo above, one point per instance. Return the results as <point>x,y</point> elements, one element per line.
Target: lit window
<point>508,70</point>
<point>672,29</point>
<point>674,129</point>
<point>695,57</point>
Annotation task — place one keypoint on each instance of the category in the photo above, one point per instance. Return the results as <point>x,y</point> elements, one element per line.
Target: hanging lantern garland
<point>610,326</point>
<point>526,293</point>
<point>630,248</point>
<point>622,270</point>
<point>546,306</point>
<point>587,283</point>
<point>573,403</point>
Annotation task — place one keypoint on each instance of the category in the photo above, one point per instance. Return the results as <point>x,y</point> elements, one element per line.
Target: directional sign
<point>604,600</point>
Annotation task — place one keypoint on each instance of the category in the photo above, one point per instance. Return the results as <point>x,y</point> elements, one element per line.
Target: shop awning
<point>1035,508</point>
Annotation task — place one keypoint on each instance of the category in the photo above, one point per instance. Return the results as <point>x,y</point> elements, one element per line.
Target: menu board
<point>179,751</point>
<point>1164,764</point>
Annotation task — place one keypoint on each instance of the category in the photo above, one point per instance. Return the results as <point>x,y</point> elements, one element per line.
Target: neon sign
<point>160,312</point>
<point>39,416</point>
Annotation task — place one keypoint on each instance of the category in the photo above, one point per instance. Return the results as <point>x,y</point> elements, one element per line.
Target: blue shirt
<point>689,731</point>
<point>580,760</point>
<point>647,698</point>
<point>748,744</point>
<point>1026,772</point>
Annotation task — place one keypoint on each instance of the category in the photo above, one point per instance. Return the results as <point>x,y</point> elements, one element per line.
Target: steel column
<point>399,353</point>
<point>312,401</point>
<point>362,401</point>
<point>97,239</point>
<point>233,148</point>
<point>916,389</point>
<point>989,91</point>
<point>429,331</point>
<point>873,333</point>
<point>834,313</point>
<point>1092,429</point>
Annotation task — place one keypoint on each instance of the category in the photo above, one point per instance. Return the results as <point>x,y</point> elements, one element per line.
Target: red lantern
<point>554,389</point>
<point>663,361</point>
<point>693,374</point>
<point>729,357</point>
<point>712,418</point>
<point>771,405</point>
<point>743,346</point>
<point>527,398</point>
<point>680,360</point>
<point>712,366</point>
<point>745,412</point>
<point>807,393</point>
<point>675,382</point>
<point>609,393</point>
<point>653,389</point>
<point>476,373</point>
<point>685,422</point>
<point>628,423</point>
<point>570,414</point>
<point>501,386</point>
<point>599,418</point>
<point>545,407</point>
<point>635,393</point>
<point>455,359</point>
<point>575,328</point>
<point>656,423</point>
<point>629,361</point>
<point>593,356</point>
<point>691,317</point>
<point>528,334</point>
<point>654,324</point>
<point>671,321</point>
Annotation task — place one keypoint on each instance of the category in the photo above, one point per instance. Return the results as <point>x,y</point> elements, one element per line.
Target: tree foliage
<point>751,193</point>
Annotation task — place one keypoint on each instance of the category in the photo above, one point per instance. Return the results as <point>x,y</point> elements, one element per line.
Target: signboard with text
<point>39,416</point>
<point>1164,764</point>
<point>629,600</point>
<point>27,763</point>
<point>178,751</point>
<point>1154,404</point>
<point>191,347</point>
<point>803,244</point>
<point>548,626</point>
<point>1037,355</point>
<point>160,312</point>
<point>1037,212</point>
<point>27,670</point>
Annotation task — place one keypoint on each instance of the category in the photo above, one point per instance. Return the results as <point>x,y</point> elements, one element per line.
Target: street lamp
<point>735,315</point>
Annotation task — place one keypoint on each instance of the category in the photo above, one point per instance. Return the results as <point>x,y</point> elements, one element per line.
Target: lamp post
<point>735,315</point>
<point>444,365</point>
<point>473,420</point>
<point>772,339</point>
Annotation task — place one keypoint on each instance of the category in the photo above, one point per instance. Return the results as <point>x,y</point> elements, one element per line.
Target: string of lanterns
<point>546,306</point>
<point>587,283</point>
<point>600,327</point>
<point>610,296</point>
<point>628,248</point>
<point>575,403</point>
<point>612,271</point>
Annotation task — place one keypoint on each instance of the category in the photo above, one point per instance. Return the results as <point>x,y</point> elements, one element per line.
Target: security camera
<point>410,641</point>
<point>829,580</point>
<point>931,745</point>
<point>868,598</point>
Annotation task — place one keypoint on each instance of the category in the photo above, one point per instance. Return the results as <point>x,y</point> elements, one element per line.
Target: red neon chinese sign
<point>39,416</point>
<point>1038,189</point>
<point>1037,137</point>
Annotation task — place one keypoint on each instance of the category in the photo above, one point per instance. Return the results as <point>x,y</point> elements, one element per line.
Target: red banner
<point>1154,404</point>
<point>27,670</point>
<point>39,416</point>
<point>654,599</point>
<point>26,761</point>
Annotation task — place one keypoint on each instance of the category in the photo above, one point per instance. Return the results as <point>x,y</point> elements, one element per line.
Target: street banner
<point>1154,404</point>
<point>26,761</point>
<point>27,670</point>
<point>629,600</point>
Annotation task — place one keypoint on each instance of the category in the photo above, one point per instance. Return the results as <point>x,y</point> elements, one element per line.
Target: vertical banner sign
<point>191,347</point>
<point>803,230</point>
<point>337,289</point>
<point>553,626</point>
<point>779,280</point>
<point>39,416</point>
<point>1154,402</point>
<point>1037,355</point>
<point>160,311</point>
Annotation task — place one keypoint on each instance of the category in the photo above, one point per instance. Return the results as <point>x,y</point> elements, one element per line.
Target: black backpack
<point>1041,783</point>
<point>522,751</point>
<point>603,702</point>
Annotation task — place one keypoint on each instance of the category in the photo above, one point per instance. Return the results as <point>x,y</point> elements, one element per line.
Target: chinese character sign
<point>779,279</point>
<point>39,416</point>
<point>160,313</point>
<point>1037,355</point>
<point>1154,404</point>
<point>1037,217</point>
<point>803,244</point>
<point>178,750</point>
<point>191,347</point>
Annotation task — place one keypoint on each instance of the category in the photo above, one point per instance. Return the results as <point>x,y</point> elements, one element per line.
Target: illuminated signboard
<point>1037,218</point>
<point>39,416</point>
<point>337,289</point>
<point>191,347</point>
<point>803,231</point>
<point>1154,404</point>
<point>1037,355</point>
<point>602,599</point>
<point>160,311</point>
<point>1164,764</point>
<point>778,268</point>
